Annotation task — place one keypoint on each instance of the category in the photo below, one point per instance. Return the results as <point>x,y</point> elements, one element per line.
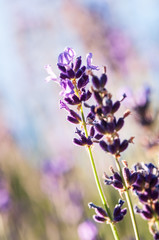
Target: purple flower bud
<point>75,115</point>
<point>98,136</point>
<point>140,179</point>
<point>143,197</point>
<point>117,143</point>
<point>109,103</point>
<point>79,73</point>
<point>89,141</point>
<point>99,111</point>
<point>78,142</point>
<point>96,82</point>
<point>77,64</point>
<point>116,176</point>
<point>133,178</point>
<point>101,212</point>
<point>154,195</point>
<point>117,211</point>
<point>126,174</point>
<point>93,109</point>
<point>99,219</point>
<point>110,127</point>
<point>104,124</point>
<point>119,218</point>
<point>117,184</point>
<point>100,128</point>
<point>88,95</point>
<point>75,100</point>
<point>112,149</point>
<point>62,68</point>
<point>98,98</point>
<point>153,181</point>
<point>84,139</point>
<point>146,215</point>
<point>157,208</point>
<point>90,117</point>
<point>116,106</point>
<point>83,68</point>
<point>119,124</point>
<point>68,100</point>
<point>148,208</point>
<point>123,145</point>
<point>106,110</point>
<point>63,75</point>
<point>72,120</point>
<point>103,80</point>
<point>70,73</point>
<point>81,83</point>
<point>148,177</point>
<point>137,188</point>
<point>85,96</point>
<point>92,131</point>
<point>103,145</point>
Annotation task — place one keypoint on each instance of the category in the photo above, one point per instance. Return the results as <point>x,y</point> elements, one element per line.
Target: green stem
<point>128,199</point>
<point>98,184</point>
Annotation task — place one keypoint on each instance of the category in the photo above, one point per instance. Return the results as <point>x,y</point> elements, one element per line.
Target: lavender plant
<point>101,126</point>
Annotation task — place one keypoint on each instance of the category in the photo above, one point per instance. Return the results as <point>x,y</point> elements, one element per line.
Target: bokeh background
<point>47,181</point>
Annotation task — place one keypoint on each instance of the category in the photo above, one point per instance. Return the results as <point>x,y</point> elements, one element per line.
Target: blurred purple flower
<point>4,197</point>
<point>52,173</point>
<point>56,168</point>
<point>87,231</point>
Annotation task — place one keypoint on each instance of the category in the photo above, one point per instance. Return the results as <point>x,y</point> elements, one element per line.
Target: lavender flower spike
<point>52,75</point>
<point>89,62</point>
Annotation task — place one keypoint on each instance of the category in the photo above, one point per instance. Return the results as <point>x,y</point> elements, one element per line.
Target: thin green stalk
<point>98,184</point>
<point>128,199</point>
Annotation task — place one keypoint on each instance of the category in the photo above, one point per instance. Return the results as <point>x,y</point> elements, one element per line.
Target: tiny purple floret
<point>89,62</point>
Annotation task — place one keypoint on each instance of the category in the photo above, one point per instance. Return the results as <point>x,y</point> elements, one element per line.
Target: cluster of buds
<point>105,126</point>
<point>101,215</point>
<point>146,188</point>
<point>120,183</point>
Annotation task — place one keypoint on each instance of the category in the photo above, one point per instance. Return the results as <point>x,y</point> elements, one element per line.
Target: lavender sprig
<point>73,80</point>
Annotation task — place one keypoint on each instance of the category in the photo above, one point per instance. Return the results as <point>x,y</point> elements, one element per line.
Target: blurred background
<point>45,178</point>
